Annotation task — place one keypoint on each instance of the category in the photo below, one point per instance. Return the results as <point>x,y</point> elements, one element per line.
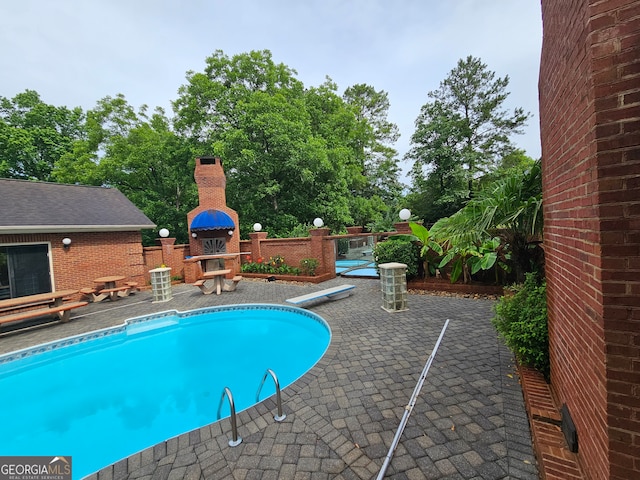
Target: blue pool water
<point>356,268</point>
<point>362,272</point>
<point>103,396</point>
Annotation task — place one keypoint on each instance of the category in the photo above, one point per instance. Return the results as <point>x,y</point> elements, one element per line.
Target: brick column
<point>256,239</point>
<point>402,227</point>
<point>317,250</point>
<point>167,250</point>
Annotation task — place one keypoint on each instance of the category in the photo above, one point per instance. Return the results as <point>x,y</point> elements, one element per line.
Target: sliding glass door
<point>24,270</point>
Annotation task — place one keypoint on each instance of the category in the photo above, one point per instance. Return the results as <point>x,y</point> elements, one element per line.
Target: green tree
<point>154,167</point>
<point>35,135</point>
<point>461,134</point>
<point>372,145</point>
<point>141,156</point>
<point>290,152</point>
<point>373,141</point>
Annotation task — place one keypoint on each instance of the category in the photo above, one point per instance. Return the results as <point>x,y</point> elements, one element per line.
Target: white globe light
<point>164,233</point>
<point>257,227</point>
<point>405,213</point>
<point>317,222</point>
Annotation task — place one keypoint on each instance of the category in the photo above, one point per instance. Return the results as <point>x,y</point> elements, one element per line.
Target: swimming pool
<point>103,396</point>
<point>356,268</point>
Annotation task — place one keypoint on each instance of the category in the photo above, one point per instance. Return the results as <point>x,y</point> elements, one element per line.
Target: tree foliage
<point>461,134</point>
<point>34,135</point>
<point>141,156</point>
<point>292,153</point>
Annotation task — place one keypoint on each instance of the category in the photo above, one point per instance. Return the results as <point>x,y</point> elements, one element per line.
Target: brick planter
<point>555,461</point>
<point>291,278</point>
<point>444,285</point>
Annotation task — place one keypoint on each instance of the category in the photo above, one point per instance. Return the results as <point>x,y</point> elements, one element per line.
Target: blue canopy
<point>212,220</point>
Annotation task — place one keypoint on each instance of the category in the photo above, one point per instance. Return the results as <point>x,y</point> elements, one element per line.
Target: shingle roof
<point>28,207</point>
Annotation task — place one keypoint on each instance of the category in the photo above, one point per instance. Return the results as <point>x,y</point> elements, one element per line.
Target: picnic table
<point>110,289</point>
<point>217,276</point>
<point>39,305</point>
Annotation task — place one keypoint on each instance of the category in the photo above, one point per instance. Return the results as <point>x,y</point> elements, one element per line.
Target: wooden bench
<point>114,292</point>
<point>63,312</point>
<point>133,287</point>
<point>38,305</point>
<point>230,286</point>
<point>332,293</point>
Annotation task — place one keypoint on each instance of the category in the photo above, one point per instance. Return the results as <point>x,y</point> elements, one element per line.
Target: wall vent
<point>569,429</point>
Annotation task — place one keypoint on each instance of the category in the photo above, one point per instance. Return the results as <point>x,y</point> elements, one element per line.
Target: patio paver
<point>469,421</point>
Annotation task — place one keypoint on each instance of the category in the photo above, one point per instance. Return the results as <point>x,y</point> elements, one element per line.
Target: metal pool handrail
<point>280,416</point>
<point>236,440</point>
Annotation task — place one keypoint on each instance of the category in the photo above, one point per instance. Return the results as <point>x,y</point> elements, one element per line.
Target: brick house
<point>56,236</point>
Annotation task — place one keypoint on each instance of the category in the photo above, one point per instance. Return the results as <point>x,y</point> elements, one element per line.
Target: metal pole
<point>410,405</point>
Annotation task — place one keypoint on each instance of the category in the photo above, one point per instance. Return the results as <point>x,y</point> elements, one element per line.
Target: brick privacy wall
<point>590,124</point>
<point>90,255</point>
<point>292,249</point>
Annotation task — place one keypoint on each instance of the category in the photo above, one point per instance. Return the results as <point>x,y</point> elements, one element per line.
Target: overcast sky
<point>75,52</point>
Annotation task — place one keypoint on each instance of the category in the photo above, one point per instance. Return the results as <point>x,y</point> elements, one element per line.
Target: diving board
<point>333,293</point>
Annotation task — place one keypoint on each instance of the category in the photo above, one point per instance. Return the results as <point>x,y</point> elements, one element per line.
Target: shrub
<point>274,265</point>
<point>308,266</point>
<point>521,319</point>
<point>398,250</point>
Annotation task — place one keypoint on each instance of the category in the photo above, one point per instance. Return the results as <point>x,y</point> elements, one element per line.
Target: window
<point>24,270</point>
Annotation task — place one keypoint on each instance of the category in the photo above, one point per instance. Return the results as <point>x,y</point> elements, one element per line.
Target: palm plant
<point>428,246</point>
<point>509,209</point>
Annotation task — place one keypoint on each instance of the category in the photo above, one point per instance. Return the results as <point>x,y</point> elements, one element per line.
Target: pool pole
<point>410,405</point>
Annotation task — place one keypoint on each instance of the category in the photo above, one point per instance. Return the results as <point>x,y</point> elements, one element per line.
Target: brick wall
<point>90,255</point>
<point>590,130</point>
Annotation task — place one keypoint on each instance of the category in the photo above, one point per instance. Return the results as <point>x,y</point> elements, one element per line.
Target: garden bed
<point>444,285</point>
<point>291,278</point>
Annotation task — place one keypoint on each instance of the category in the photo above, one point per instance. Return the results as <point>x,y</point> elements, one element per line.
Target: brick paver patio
<point>469,421</point>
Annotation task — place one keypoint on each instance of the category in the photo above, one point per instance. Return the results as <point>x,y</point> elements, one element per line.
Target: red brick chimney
<point>211,180</point>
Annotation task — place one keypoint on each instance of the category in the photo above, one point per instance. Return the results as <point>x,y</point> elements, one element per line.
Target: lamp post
<point>403,226</point>
<point>167,245</point>
<point>317,222</point>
